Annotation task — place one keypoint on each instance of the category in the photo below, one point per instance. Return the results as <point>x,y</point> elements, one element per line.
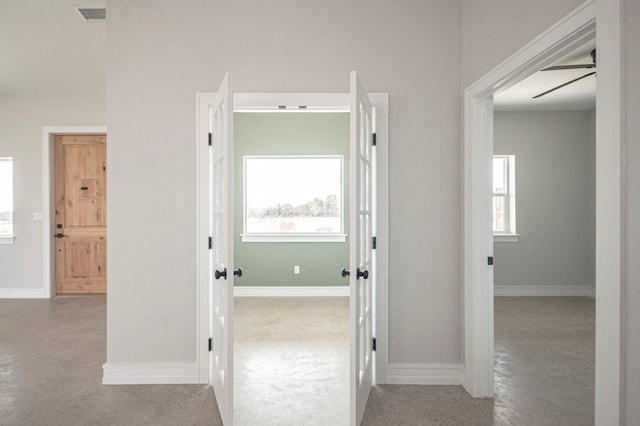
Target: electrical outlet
<point>296,269</point>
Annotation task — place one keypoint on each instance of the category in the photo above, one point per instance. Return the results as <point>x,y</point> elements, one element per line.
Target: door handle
<point>220,274</point>
<point>345,272</point>
<point>59,235</point>
<point>364,274</point>
<point>237,272</point>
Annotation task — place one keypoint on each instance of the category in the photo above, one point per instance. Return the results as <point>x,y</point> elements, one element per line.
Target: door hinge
<point>210,344</point>
<point>374,139</point>
<point>490,260</point>
<point>210,243</point>
<point>375,242</point>
<point>374,344</point>
<point>210,139</point>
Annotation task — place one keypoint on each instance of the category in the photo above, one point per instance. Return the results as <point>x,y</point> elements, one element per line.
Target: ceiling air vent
<point>92,13</point>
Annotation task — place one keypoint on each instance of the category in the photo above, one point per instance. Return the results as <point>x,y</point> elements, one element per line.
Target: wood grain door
<point>81,213</point>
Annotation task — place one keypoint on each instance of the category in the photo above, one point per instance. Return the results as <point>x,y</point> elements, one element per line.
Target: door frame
<point>48,198</point>
<point>568,33</point>
<point>323,102</point>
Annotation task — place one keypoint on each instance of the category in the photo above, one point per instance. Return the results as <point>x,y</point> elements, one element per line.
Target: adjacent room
<point>291,333</point>
<point>544,242</point>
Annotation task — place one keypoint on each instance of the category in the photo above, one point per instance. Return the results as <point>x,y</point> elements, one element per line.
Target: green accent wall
<point>289,133</point>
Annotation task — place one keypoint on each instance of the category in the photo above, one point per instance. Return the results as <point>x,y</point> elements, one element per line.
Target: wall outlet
<point>296,269</point>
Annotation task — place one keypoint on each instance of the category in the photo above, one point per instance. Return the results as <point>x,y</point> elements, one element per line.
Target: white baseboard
<point>544,290</point>
<point>311,291</point>
<point>21,293</point>
<point>149,373</point>
<point>425,374</point>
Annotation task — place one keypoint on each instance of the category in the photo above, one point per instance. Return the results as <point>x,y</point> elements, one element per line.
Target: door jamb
<point>323,100</point>
<point>48,201</point>
<point>558,40</point>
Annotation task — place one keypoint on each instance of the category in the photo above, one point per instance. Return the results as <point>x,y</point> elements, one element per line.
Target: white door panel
<point>361,253</point>
<point>221,253</point>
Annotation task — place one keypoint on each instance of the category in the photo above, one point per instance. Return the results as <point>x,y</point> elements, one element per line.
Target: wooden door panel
<point>80,172</point>
<point>85,259</point>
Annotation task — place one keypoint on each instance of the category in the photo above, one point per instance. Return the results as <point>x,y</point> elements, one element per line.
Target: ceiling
<point>47,49</point>
<point>579,96</point>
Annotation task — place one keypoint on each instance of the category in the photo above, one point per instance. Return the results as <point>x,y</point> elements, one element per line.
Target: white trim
<point>506,238</point>
<point>294,238</point>
<point>7,240</point>
<point>571,31</point>
<point>159,373</point>
<point>48,132</point>
<point>425,374</point>
<point>21,293</point>
<point>544,290</point>
<point>334,101</point>
<point>292,291</point>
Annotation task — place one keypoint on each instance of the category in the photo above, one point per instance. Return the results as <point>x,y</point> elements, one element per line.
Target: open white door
<point>361,256</point>
<point>221,253</point>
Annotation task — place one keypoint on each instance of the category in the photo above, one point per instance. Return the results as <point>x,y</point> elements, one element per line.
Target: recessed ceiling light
<point>92,13</point>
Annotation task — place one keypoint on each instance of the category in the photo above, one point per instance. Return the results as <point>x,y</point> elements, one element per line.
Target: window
<point>6,200</point>
<point>293,198</point>
<point>504,197</point>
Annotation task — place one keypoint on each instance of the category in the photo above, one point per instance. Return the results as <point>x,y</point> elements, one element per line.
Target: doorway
<point>49,199</point>
<point>80,169</point>
<point>320,101</point>
<point>291,199</point>
<point>574,30</point>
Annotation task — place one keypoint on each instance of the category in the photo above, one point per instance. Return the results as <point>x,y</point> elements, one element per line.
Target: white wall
<point>161,54</point>
<point>555,200</point>
<point>21,121</point>
<point>632,289</point>
<point>493,30</point>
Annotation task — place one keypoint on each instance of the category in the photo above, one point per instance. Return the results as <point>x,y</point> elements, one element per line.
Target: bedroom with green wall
<point>267,264</point>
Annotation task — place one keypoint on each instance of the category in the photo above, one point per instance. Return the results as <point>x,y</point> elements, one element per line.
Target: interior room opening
<point>291,329</point>
<point>544,240</point>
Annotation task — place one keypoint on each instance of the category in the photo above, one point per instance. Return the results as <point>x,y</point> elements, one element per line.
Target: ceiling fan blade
<point>568,67</point>
<point>563,84</point>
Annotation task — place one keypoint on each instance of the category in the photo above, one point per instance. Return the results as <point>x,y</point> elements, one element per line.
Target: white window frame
<point>287,237</point>
<point>9,238</point>
<point>509,235</point>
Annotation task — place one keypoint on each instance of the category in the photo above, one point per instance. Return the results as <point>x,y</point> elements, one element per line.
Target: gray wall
<point>306,133</point>
<point>555,198</point>
<point>160,55</point>
<point>422,52</point>
<point>21,121</point>
<point>631,296</point>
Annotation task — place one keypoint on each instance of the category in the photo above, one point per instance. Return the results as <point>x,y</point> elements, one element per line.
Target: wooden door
<point>361,255</point>
<point>221,256</point>
<point>81,213</point>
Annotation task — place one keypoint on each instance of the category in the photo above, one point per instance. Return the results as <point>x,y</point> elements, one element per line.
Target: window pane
<point>6,196</point>
<point>498,213</point>
<point>500,175</point>
<point>293,195</point>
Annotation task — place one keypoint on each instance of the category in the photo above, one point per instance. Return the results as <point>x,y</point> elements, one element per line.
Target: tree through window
<point>293,195</point>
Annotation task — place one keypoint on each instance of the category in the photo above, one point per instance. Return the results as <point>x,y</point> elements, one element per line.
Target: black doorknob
<point>345,272</point>
<point>364,274</point>
<point>238,272</point>
<point>219,274</point>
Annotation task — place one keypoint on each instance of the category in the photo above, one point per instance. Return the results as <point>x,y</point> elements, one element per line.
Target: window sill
<point>506,238</point>
<point>294,238</point>
<point>7,239</point>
